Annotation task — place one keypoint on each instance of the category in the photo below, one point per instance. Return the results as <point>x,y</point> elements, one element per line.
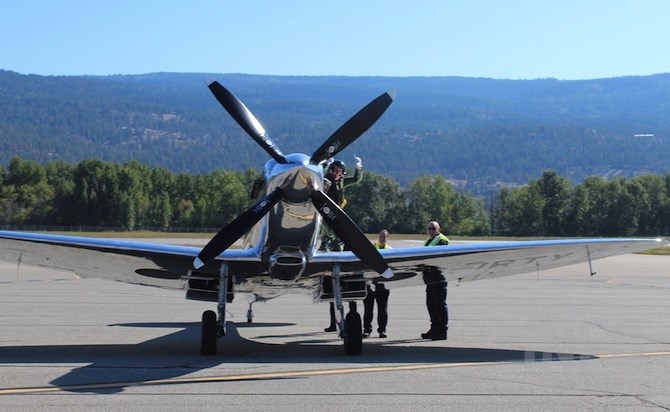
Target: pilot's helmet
<point>337,163</point>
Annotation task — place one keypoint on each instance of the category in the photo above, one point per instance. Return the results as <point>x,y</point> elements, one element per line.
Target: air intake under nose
<point>288,263</point>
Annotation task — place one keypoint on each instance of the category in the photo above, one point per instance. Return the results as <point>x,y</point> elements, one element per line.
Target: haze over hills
<point>473,130</point>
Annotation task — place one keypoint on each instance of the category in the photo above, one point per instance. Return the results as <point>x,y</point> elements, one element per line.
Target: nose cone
<point>300,182</point>
<point>298,178</point>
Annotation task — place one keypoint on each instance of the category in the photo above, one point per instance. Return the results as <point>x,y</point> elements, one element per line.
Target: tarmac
<point>553,340</point>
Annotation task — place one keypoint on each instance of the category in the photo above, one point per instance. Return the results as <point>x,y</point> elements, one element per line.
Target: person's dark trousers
<point>436,302</point>
<point>382,299</point>
<point>368,305</point>
<point>332,327</point>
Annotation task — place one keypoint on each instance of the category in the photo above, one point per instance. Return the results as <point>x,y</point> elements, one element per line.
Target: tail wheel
<point>208,334</point>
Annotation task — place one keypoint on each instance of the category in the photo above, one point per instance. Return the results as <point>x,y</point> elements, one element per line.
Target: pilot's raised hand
<point>359,162</point>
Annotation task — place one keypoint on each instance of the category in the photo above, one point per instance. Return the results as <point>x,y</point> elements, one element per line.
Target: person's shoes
<point>330,329</point>
<point>438,336</point>
<point>366,334</point>
<point>382,334</point>
<point>434,335</point>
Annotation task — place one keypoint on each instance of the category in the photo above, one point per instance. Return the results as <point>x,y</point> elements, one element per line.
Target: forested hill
<point>470,129</point>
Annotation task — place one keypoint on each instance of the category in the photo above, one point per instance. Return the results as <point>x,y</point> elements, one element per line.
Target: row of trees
<point>551,206</point>
<point>133,195</point>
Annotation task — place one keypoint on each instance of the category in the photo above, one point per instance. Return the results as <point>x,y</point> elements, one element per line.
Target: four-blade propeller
<point>333,215</point>
<point>353,128</point>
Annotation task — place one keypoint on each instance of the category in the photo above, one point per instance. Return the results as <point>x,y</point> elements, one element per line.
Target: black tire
<point>353,334</point>
<point>208,336</point>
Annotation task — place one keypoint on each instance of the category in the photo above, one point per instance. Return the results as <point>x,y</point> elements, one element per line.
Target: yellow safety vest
<point>436,239</point>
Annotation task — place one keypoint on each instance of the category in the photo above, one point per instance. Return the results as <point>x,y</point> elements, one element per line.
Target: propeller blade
<point>353,128</point>
<point>238,227</point>
<point>246,119</point>
<point>350,234</point>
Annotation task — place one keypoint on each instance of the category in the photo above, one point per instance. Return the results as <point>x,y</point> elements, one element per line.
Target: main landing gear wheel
<point>208,336</point>
<point>353,334</point>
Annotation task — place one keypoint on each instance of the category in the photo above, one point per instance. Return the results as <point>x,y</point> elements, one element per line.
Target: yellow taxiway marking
<point>299,374</point>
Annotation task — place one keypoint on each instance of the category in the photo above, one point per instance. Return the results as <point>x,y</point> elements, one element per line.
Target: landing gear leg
<point>337,296</point>
<point>213,328</point>
<point>250,313</point>
<point>223,293</point>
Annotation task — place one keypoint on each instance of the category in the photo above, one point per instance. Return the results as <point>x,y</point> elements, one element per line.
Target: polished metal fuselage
<point>288,235</point>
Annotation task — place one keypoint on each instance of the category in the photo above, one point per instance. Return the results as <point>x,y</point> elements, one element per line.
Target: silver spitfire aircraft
<point>280,250</point>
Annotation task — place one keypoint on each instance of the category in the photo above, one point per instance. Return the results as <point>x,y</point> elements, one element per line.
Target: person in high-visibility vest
<point>436,289</point>
<point>380,294</point>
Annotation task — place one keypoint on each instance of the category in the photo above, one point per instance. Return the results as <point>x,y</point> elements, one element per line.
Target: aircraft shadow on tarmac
<point>177,354</point>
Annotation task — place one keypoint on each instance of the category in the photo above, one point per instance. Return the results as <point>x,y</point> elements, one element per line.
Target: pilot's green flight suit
<point>330,241</point>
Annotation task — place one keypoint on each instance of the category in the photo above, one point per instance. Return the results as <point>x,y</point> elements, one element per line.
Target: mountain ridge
<point>475,130</point>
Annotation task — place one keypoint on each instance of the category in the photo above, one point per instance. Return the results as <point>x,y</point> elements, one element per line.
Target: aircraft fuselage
<point>289,234</point>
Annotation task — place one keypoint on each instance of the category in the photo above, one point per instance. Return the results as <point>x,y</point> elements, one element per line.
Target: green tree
<point>377,202</point>
<point>220,196</point>
<point>556,193</point>
<point>595,205</point>
<point>135,185</point>
<point>60,177</point>
<point>470,216</point>
<point>576,212</point>
<point>161,190</point>
<point>26,197</point>
<point>184,209</point>
<point>430,198</point>
<point>652,204</point>
<point>621,211</point>
<point>97,196</point>
<point>518,212</point>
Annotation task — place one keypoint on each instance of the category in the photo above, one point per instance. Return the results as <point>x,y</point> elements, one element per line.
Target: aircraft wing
<point>163,265</point>
<point>486,260</point>
<point>126,261</point>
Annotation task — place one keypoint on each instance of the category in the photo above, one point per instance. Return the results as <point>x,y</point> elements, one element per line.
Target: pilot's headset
<point>337,163</point>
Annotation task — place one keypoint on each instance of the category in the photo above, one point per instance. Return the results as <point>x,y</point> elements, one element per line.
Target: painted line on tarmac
<point>301,374</point>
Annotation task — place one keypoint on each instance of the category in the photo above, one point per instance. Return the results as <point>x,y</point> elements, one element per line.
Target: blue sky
<point>511,39</point>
